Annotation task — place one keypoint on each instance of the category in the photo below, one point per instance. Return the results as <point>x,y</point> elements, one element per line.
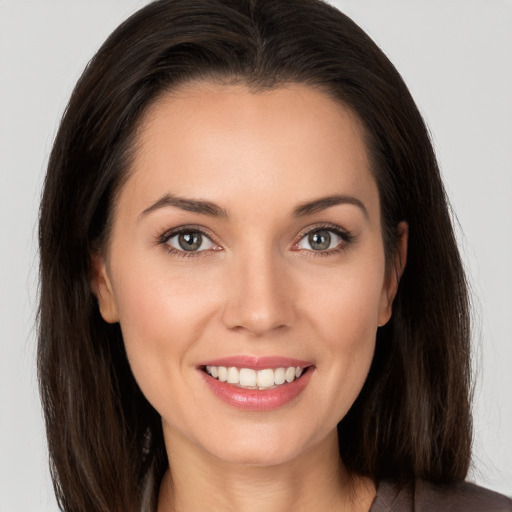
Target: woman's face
<point>247,239</point>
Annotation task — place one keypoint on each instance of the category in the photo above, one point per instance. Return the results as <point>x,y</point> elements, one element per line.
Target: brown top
<point>421,496</point>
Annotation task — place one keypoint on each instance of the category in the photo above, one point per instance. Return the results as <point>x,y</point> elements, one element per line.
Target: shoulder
<point>422,496</point>
<point>463,496</point>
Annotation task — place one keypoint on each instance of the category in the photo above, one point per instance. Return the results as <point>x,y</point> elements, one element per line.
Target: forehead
<point>221,141</point>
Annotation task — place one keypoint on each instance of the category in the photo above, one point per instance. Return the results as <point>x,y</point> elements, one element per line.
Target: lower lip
<point>254,399</point>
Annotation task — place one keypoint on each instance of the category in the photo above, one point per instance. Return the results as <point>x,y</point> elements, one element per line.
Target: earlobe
<point>101,287</point>
<point>394,275</point>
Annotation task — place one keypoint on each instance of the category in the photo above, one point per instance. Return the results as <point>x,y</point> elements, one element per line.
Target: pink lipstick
<point>256,383</point>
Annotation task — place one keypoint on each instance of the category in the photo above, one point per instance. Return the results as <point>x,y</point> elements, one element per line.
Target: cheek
<point>345,303</point>
<point>343,312</point>
<point>162,314</point>
<point>158,300</point>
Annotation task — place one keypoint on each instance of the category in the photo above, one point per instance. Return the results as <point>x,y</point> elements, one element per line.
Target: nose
<point>259,297</point>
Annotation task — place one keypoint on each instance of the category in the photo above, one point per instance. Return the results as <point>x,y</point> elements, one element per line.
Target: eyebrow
<point>189,205</point>
<point>326,202</point>
<point>214,210</point>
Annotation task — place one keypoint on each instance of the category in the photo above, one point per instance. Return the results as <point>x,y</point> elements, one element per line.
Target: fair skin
<point>268,277</point>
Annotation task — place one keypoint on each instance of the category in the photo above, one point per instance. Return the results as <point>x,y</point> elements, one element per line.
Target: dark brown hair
<point>412,418</point>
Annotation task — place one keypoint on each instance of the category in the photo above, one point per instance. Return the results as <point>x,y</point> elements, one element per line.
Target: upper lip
<point>257,362</point>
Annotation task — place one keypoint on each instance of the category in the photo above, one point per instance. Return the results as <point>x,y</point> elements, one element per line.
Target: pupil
<point>320,240</point>
<point>190,241</point>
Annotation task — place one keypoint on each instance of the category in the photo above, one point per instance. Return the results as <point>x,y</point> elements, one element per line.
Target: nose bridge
<point>259,299</point>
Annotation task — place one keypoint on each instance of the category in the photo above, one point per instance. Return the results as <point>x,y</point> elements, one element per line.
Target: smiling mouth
<point>248,378</point>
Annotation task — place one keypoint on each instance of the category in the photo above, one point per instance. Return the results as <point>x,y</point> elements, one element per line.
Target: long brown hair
<point>412,418</point>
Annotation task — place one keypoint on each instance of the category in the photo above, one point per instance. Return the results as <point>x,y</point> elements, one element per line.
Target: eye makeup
<point>193,240</point>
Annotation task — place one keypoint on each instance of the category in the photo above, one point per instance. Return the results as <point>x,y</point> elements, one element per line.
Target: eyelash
<point>165,237</point>
<point>346,236</point>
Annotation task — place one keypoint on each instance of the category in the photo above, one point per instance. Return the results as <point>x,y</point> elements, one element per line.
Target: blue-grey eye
<point>190,241</point>
<point>320,240</point>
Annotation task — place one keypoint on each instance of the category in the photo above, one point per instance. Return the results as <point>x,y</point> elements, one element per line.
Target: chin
<point>260,455</point>
<point>260,446</point>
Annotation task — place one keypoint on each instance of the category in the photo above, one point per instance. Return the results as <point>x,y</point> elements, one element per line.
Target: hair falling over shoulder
<point>412,418</point>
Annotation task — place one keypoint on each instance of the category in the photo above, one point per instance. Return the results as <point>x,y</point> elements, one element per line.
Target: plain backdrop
<point>456,57</point>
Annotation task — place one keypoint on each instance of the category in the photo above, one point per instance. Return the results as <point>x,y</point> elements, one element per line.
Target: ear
<point>102,288</point>
<point>394,274</point>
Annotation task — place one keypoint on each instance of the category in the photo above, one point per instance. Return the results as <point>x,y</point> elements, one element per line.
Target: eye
<point>322,239</point>
<point>190,241</point>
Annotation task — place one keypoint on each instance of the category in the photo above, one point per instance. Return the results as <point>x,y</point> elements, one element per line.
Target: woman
<point>251,294</point>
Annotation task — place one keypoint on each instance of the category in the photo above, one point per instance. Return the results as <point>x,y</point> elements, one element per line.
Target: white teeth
<point>223,373</point>
<point>279,376</point>
<point>233,376</point>
<point>252,379</point>
<point>247,377</point>
<point>265,378</point>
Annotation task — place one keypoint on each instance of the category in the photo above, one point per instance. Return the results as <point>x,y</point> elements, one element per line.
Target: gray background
<point>455,55</point>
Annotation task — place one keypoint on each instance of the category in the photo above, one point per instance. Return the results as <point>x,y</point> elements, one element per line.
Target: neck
<point>315,480</point>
